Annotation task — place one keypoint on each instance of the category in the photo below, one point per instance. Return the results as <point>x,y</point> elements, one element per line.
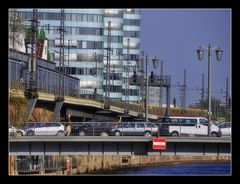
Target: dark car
<point>93,129</point>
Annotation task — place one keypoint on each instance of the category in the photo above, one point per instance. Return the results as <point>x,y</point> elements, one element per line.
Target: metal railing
<point>82,94</point>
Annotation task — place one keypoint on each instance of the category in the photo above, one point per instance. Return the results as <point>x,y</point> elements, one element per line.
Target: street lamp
<point>200,53</point>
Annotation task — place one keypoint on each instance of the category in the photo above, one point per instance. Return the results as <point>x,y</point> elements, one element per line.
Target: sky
<point>174,35</point>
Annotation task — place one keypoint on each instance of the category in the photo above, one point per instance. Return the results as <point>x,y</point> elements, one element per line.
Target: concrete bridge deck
<point>96,145</point>
<point>116,139</point>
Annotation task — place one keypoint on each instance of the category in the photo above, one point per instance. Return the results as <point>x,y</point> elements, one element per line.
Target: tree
<point>174,102</point>
<point>41,35</point>
<point>204,104</point>
<point>40,44</point>
<point>15,28</point>
<point>17,108</point>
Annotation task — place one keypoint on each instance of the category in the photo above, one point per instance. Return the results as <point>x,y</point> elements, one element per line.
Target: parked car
<point>44,129</point>
<point>225,128</point>
<point>92,129</point>
<point>177,126</point>
<point>136,128</point>
<point>13,131</point>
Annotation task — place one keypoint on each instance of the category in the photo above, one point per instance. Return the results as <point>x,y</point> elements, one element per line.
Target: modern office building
<point>86,43</point>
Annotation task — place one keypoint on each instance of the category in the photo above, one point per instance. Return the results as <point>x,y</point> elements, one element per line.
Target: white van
<point>178,125</point>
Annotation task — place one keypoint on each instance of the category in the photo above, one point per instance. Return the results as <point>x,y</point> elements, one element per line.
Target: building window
<point>131,92</point>
<point>132,57</point>
<point>114,89</point>
<point>132,11</point>
<point>132,22</point>
<point>113,76</point>
<point>135,34</point>
<point>89,57</point>
<point>113,13</point>
<point>115,39</point>
<point>132,45</point>
<point>114,26</point>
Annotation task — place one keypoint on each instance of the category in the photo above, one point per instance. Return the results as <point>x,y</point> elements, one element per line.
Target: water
<point>203,168</point>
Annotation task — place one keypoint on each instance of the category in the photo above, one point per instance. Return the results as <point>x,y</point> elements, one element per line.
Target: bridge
<point>111,145</point>
<point>74,98</point>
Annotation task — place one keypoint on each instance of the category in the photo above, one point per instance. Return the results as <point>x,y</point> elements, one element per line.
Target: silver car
<point>44,129</point>
<point>13,131</point>
<point>225,128</point>
<point>136,128</point>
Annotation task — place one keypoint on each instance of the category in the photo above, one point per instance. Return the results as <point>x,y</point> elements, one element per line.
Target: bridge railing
<point>82,94</point>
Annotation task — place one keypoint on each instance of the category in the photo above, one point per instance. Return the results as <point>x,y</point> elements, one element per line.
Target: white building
<point>86,43</point>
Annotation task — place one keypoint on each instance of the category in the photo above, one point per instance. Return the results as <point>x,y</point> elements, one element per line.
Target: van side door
<point>203,124</point>
<point>189,126</point>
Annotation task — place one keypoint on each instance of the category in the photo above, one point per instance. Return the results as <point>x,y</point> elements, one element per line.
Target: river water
<point>202,168</point>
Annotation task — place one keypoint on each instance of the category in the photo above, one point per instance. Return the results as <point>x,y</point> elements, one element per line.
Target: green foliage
<point>48,56</point>
<point>218,110</point>
<point>28,35</point>
<point>17,110</point>
<point>41,35</point>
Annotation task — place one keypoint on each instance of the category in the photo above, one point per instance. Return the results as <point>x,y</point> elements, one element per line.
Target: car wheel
<point>213,134</point>
<point>81,133</point>
<point>117,133</point>
<point>175,134</point>
<point>60,133</point>
<point>147,134</point>
<point>30,133</point>
<point>103,134</point>
<point>18,133</point>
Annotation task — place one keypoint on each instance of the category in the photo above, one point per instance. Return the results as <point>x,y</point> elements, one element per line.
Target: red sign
<point>159,143</point>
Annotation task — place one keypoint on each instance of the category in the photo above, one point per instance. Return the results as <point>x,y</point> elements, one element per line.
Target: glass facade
<point>86,42</point>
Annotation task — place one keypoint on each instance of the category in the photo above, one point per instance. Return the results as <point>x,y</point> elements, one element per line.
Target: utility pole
<point>107,84</point>
<point>183,101</point>
<point>31,91</point>
<point>140,65</point>
<point>227,95</point>
<point>68,57</point>
<point>161,89</point>
<point>146,92</point>
<point>60,94</point>
<point>202,94</point>
<point>96,62</point>
<point>183,92</point>
<point>32,65</point>
<point>127,79</point>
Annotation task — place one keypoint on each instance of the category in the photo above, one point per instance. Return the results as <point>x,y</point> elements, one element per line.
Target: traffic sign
<point>159,143</point>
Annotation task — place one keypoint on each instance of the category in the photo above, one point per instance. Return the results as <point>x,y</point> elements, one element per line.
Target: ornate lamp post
<point>200,53</point>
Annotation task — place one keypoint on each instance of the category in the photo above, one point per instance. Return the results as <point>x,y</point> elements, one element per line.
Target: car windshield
<point>150,125</point>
